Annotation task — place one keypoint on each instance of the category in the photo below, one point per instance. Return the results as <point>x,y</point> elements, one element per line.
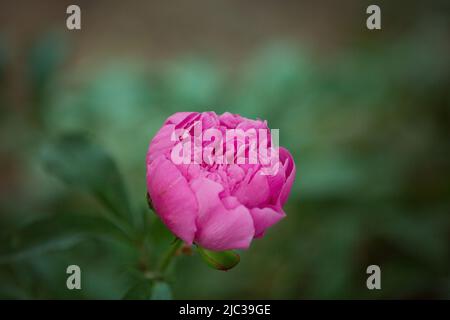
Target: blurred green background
<point>365,114</point>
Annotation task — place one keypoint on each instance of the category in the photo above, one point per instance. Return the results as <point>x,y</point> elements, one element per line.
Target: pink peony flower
<point>212,201</point>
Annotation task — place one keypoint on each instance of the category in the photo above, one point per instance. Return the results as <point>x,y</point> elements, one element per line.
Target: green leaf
<point>140,291</point>
<point>80,163</point>
<point>220,260</point>
<point>53,233</point>
<point>161,291</point>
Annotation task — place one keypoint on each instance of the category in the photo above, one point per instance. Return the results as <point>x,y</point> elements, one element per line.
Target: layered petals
<point>219,206</point>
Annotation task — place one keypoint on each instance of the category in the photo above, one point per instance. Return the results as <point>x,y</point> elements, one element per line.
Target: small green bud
<point>220,260</point>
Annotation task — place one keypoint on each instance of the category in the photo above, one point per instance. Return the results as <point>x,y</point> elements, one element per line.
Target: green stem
<point>165,262</point>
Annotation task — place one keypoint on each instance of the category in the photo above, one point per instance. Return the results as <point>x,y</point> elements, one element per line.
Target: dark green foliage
<point>368,128</point>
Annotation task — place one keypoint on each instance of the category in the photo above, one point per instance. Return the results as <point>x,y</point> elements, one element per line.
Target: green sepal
<point>220,260</point>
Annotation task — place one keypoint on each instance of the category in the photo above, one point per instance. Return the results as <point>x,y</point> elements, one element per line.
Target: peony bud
<point>206,183</point>
<point>220,260</point>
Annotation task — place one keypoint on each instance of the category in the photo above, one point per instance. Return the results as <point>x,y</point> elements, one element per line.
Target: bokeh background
<point>365,114</point>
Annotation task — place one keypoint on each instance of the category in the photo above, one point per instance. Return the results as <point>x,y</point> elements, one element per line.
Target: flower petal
<point>161,143</point>
<point>253,193</point>
<point>264,218</point>
<point>178,117</point>
<point>220,228</point>
<point>173,200</point>
<point>290,171</point>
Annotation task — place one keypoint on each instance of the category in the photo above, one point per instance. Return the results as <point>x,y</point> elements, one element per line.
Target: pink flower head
<point>203,192</point>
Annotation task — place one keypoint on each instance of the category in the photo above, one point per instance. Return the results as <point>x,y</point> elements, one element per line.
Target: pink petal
<point>230,120</point>
<point>264,218</point>
<point>254,193</point>
<point>173,200</point>
<point>290,171</point>
<point>220,228</point>
<point>231,202</point>
<point>161,143</point>
<point>179,116</point>
<point>276,183</point>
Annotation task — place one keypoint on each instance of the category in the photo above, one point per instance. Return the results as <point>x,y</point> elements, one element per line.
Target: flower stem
<point>167,258</point>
